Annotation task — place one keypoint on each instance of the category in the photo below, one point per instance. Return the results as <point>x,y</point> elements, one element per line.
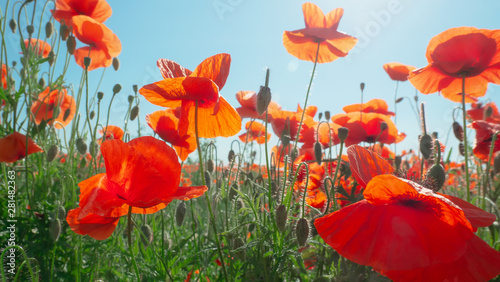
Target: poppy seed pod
<point>210,165</point>
<point>52,153</point>
<point>437,175</point>
<point>41,82</point>
<point>398,100</point>
<point>342,133</point>
<point>64,32</point>
<point>426,146</point>
<point>302,231</point>
<point>81,146</point>
<point>71,44</point>
<point>30,29</point>
<point>116,63</point>
<point>231,155</point>
<point>134,112</point>
<point>263,99</point>
<point>362,86</point>
<point>327,115</point>
<point>51,58</point>
<point>320,115</point>
<point>208,179</point>
<point>383,126</point>
<point>130,99</point>
<point>134,87</point>
<point>458,131</point>
<point>180,213</point>
<point>100,95</point>
<point>87,61</point>
<point>281,217</point>
<point>49,28</point>
<point>55,229</point>
<point>117,88</point>
<point>318,153</point>
<point>13,25</point>
<point>147,235</point>
<point>496,163</point>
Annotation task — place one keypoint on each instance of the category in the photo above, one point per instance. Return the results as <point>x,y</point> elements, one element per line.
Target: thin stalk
<point>129,237</point>
<point>396,112</point>
<point>466,155</point>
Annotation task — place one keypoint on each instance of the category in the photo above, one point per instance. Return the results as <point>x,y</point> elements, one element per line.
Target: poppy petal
<point>95,226</point>
<point>313,16</point>
<point>215,68</point>
<point>171,69</point>
<point>476,216</point>
<point>13,147</point>
<point>366,164</point>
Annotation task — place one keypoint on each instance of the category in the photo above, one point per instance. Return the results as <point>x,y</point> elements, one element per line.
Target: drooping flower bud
<point>437,175</point>
<point>64,32</point>
<point>55,229</point>
<point>52,153</point>
<point>71,44</point>
<point>320,115</point>
<point>30,29</point>
<point>117,88</point>
<point>180,213</point>
<point>147,235</point>
<point>302,231</point>
<point>92,115</point>
<point>327,115</point>
<point>318,152</point>
<point>398,100</point>
<point>281,217</point>
<point>231,155</point>
<point>233,191</point>
<point>51,58</point>
<point>41,82</point>
<point>13,25</point>
<point>458,131</point>
<point>67,112</point>
<point>134,112</point>
<point>61,213</point>
<point>210,165</point>
<point>49,28</point>
<point>81,146</point>
<point>426,146</point>
<point>116,63</point>
<point>208,179</point>
<point>488,112</point>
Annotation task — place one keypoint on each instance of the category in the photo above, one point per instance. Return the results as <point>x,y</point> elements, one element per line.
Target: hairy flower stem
<point>466,155</point>
<point>129,236</point>
<point>335,175</point>
<point>202,174</point>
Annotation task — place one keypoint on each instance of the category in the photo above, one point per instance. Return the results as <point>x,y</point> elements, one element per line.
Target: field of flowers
<point>332,200</point>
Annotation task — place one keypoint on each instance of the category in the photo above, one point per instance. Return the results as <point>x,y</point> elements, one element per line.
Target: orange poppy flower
<point>54,105</point>
<point>143,173</point>
<point>367,128</point>
<point>484,134</point>
<point>373,106</point>
<point>248,109</point>
<point>182,88</point>
<point>400,219</point>
<point>165,124</point>
<point>281,119</point>
<point>255,132</point>
<point>456,53</point>
<point>39,47</point>
<point>398,71</point>
<point>322,30</point>
<point>4,76</point>
<point>103,43</point>
<point>98,10</point>
<point>325,134</point>
<point>487,112</point>
<point>310,110</point>
<point>97,227</point>
<point>112,132</point>
<point>13,147</point>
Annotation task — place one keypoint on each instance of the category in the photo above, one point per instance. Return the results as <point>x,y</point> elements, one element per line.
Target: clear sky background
<point>251,32</point>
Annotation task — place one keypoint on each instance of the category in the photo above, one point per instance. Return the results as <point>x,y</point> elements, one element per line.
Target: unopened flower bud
<point>320,115</point>
<point>130,99</point>
<point>116,63</point>
<point>461,149</point>
<point>51,58</point>
<point>13,25</point>
<point>488,112</point>
<point>52,153</point>
<point>302,231</point>
<point>496,163</point>
<point>263,99</point>
<point>398,100</point>
<point>208,179</point>
<point>92,114</point>
<point>362,86</point>
<point>281,217</point>
<point>426,146</point>
<point>55,229</point>
<point>49,28</point>
<point>100,95</point>
<point>180,213</point>
<point>81,146</point>
<point>71,44</point>
<point>436,174</point>
<point>458,131</point>
<point>134,87</point>
<point>134,112</point>
<point>87,61</point>
<point>67,112</point>
<point>233,191</point>
<point>383,126</point>
<point>64,32</point>
<point>342,133</point>
<point>327,115</point>
<point>30,29</point>
<point>41,82</point>
<point>117,88</point>
<point>210,166</point>
<point>231,155</point>
<point>147,235</point>
<point>318,152</point>
<point>61,213</point>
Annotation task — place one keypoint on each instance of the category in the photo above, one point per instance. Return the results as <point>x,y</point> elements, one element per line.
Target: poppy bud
<point>81,146</point>
<point>436,174</point>
<point>66,114</point>
<point>61,213</point>
<point>117,88</point>
<point>134,112</point>
<point>426,146</point>
<point>342,133</point>
<point>302,231</point>
<point>208,179</point>
<point>263,99</point>
<point>362,86</point>
<point>238,243</point>
<point>281,217</point>
<point>64,32</point>
<point>30,29</point>
<point>320,115</point>
<point>233,191</point>
<point>13,25</point>
<point>415,98</point>
<point>55,229</point>
<point>231,155</point>
<point>397,162</point>
<point>87,61</point>
<point>52,153</point>
<point>41,82</point>
<point>100,95</point>
<point>327,115</point>
<point>398,100</point>
<point>49,28</point>
<point>458,131</point>
<point>14,63</point>
<point>210,165</point>
<point>318,153</point>
<point>92,114</point>
<point>461,149</point>
<point>274,187</point>
<point>488,112</point>
<point>496,163</point>
<point>93,148</point>
<point>51,58</point>
<point>383,126</point>
<point>116,63</point>
<point>130,99</point>
<point>71,44</point>
<point>134,87</point>
<point>147,235</point>
<point>180,213</point>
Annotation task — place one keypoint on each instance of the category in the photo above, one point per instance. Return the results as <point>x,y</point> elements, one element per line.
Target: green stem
<point>395,113</point>
<point>335,175</point>
<point>129,237</point>
<point>466,155</point>
<point>202,174</point>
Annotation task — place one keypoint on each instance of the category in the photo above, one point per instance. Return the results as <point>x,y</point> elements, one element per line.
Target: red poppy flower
<point>398,71</point>
<point>367,128</point>
<point>487,112</point>
<point>456,53</point>
<point>103,43</point>
<point>54,105</point>
<point>373,106</point>
<point>166,125</point>
<point>39,47</point>
<point>484,134</point>
<point>322,30</point>
<point>255,132</point>
<point>143,173</point>
<point>325,134</point>
<point>95,226</point>
<point>182,88</point>
<point>98,10</point>
<point>281,119</point>
<point>112,132</point>
<point>13,147</point>
<point>248,109</point>
<point>398,229</point>
<point>4,76</point>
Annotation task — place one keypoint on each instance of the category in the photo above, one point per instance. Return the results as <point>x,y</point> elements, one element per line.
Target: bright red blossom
<point>39,47</point>
<point>373,106</point>
<point>99,10</point>
<point>248,109</point>
<point>398,71</point>
<point>255,132</point>
<point>54,105</point>
<point>13,147</point>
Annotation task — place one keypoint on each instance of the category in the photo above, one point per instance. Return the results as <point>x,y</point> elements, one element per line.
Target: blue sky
<point>251,31</point>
